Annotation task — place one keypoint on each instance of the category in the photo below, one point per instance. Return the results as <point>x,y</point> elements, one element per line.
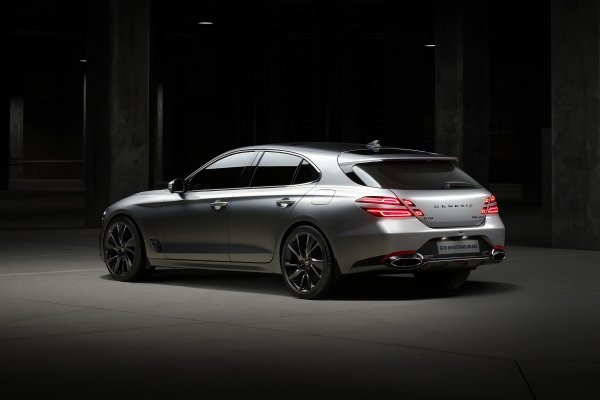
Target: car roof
<point>350,153</point>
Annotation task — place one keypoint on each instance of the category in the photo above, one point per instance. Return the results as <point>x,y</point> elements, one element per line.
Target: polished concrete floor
<point>526,329</point>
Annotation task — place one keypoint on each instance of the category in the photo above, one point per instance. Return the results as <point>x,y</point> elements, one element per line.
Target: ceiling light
<point>430,45</point>
<point>83,60</point>
<point>205,23</point>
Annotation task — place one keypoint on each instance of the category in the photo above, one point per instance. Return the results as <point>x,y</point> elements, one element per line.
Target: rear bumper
<point>419,262</point>
<point>373,248</point>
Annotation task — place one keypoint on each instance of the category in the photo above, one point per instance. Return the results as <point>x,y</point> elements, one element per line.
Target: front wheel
<point>124,253</point>
<point>443,280</point>
<point>307,263</point>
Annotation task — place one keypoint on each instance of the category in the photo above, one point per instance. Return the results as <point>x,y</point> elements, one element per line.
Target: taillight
<point>378,200</point>
<point>387,206</point>
<point>381,212</point>
<point>490,206</point>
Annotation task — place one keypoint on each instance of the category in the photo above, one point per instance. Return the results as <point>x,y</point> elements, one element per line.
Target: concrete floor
<point>526,329</point>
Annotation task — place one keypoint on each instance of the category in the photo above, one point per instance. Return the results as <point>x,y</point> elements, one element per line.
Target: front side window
<point>276,169</point>
<point>228,172</point>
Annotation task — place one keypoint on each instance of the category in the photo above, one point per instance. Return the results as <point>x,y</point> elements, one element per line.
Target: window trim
<point>253,166</point>
<point>295,172</point>
<point>216,159</point>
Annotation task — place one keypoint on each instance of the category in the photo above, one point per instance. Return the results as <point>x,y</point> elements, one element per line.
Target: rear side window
<point>413,175</point>
<point>276,169</point>
<point>306,173</point>
<point>228,172</point>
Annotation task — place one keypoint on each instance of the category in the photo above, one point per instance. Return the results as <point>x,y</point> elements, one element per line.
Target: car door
<point>258,214</point>
<point>196,222</point>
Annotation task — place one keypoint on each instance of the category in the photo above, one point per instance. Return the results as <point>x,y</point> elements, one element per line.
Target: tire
<point>312,276</point>
<point>443,280</point>
<point>123,251</point>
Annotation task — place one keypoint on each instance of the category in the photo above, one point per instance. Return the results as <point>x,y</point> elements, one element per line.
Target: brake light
<point>490,206</point>
<point>384,206</point>
<point>382,212</point>
<point>411,206</point>
<point>378,200</point>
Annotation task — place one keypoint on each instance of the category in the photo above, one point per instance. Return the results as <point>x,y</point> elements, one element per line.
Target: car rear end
<point>415,211</point>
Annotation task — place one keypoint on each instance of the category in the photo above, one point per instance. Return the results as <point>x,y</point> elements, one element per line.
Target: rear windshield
<point>412,175</point>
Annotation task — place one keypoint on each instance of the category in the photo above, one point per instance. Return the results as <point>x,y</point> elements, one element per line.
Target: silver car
<point>311,212</point>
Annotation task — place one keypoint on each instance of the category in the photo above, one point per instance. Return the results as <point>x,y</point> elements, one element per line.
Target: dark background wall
<point>45,86</point>
<point>99,91</point>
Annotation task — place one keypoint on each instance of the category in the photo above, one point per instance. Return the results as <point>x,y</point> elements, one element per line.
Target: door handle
<point>217,205</point>
<point>283,203</point>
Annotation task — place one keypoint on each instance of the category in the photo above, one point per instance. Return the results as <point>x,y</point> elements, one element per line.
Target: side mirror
<point>176,186</point>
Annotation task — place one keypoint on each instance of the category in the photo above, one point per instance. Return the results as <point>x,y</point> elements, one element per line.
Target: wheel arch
<point>122,214</point>
<point>297,224</point>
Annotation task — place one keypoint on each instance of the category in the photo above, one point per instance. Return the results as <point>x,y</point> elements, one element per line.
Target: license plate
<point>458,246</point>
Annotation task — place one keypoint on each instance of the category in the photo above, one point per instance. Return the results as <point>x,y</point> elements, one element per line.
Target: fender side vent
<point>156,245</point>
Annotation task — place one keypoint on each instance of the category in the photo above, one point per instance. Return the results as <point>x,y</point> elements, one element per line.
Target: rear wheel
<point>307,263</point>
<point>124,253</point>
<point>443,280</point>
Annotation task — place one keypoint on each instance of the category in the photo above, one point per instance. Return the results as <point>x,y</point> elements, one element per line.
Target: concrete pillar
<point>462,84</point>
<point>575,101</point>
<point>4,104</point>
<point>4,138</point>
<point>535,102</point>
<point>16,135</point>
<point>118,111</point>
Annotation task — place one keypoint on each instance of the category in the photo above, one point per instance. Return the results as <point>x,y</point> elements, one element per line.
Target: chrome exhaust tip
<point>497,255</point>
<point>407,262</point>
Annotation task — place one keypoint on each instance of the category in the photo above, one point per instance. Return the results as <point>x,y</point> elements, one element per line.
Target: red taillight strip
<point>384,206</point>
<point>390,207</point>
<point>379,200</point>
<point>489,205</point>
<point>384,212</point>
<point>411,206</point>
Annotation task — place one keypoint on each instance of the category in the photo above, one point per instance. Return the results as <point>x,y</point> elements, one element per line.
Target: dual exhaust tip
<point>416,260</point>
<point>497,255</point>
<point>407,262</point>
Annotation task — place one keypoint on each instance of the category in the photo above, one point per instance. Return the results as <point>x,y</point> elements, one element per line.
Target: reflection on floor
<point>527,328</point>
